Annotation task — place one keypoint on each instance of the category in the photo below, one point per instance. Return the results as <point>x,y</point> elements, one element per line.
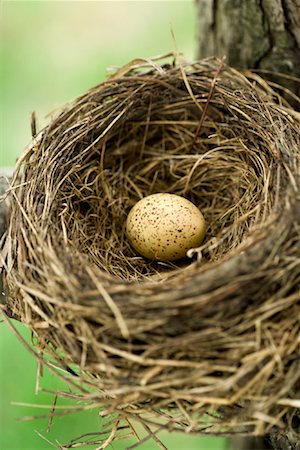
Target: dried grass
<point>210,345</point>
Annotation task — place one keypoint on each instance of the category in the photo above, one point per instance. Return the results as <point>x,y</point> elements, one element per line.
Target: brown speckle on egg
<point>156,218</point>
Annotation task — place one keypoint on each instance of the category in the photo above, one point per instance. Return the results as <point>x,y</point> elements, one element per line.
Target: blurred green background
<point>52,52</point>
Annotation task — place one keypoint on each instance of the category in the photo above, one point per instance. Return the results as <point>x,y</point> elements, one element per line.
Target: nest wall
<point>209,344</point>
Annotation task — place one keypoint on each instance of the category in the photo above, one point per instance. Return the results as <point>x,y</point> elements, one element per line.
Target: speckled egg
<point>164,226</point>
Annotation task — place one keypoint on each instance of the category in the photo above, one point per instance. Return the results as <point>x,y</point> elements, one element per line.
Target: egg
<point>164,227</point>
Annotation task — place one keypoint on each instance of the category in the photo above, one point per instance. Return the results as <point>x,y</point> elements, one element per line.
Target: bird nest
<point>209,344</point>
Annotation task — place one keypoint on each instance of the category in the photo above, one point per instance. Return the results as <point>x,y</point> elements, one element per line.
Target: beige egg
<point>164,227</point>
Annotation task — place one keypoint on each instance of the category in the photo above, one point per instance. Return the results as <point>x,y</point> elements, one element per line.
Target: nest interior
<point>209,344</point>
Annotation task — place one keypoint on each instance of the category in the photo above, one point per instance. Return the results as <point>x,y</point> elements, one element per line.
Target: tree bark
<point>253,34</point>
